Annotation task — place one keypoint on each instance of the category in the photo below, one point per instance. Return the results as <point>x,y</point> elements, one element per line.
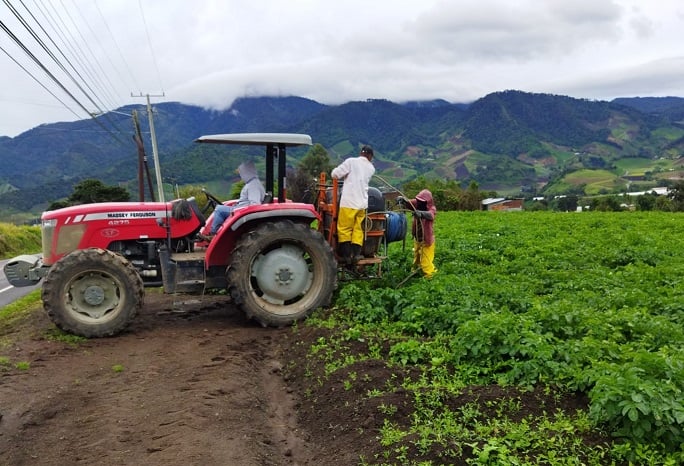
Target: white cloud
<point>209,52</point>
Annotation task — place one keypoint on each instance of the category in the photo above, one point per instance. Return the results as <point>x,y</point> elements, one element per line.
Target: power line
<point>61,66</point>
<point>37,61</point>
<point>69,43</point>
<point>82,59</point>
<point>4,27</point>
<point>149,43</point>
<point>41,65</point>
<point>95,77</point>
<point>128,68</point>
<point>39,83</point>
<point>70,52</point>
<point>106,55</point>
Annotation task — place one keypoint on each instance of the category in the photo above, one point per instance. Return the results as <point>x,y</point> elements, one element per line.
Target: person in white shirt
<point>356,173</point>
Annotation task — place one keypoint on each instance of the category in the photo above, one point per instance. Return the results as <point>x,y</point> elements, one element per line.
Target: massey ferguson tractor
<point>275,259</point>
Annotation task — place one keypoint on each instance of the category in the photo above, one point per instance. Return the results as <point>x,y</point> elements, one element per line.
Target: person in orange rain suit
<point>422,230</point>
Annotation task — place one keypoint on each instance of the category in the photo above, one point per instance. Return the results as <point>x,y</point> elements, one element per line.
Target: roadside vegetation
<point>16,240</point>
<point>9,316</point>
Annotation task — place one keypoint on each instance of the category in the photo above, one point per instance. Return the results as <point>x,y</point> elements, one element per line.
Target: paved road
<point>8,293</point>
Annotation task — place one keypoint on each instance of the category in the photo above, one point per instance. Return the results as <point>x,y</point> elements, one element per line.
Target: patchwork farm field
<point>594,180</point>
<point>545,338</point>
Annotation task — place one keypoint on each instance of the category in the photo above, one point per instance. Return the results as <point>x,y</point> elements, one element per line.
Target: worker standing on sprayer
<point>356,173</point>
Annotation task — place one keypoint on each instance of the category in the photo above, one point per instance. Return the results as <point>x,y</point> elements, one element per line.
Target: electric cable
<point>35,59</point>
<point>40,83</point>
<point>149,43</point>
<point>69,41</point>
<point>41,65</point>
<point>116,44</point>
<point>50,53</point>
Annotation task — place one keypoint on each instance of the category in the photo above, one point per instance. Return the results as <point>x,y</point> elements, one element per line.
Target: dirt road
<point>188,384</point>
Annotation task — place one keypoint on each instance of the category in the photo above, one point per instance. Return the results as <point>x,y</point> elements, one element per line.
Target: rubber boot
<point>344,252</point>
<point>355,253</point>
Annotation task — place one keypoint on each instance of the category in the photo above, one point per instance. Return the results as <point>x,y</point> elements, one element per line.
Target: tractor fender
<point>220,249</point>
<point>269,214</point>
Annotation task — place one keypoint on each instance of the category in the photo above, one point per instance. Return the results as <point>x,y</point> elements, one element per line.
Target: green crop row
<point>587,302</point>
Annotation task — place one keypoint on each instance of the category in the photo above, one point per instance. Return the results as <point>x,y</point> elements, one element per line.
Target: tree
<point>91,191</point>
<point>315,162</point>
<point>606,204</point>
<point>301,182</point>
<point>447,194</point>
<point>188,191</point>
<point>473,197</point>
<point>646,202</point>
<point>236,189</point>
<point>566,203</point>
<point>664,204</point>
<point>676,195</point>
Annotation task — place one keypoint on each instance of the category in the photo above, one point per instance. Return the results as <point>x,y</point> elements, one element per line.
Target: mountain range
<point>512,142</point>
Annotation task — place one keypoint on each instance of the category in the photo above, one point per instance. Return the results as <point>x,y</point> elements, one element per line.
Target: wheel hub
<point>284,276</point>
<point>94,295</point>
<point>281,274</point>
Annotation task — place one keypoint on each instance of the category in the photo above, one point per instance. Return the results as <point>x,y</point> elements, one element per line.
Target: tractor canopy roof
<point>258,139</point>
<point>276,147</point>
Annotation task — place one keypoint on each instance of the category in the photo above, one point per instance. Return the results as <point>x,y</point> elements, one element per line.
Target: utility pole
<point>143,168</point>
<point>155,155</point>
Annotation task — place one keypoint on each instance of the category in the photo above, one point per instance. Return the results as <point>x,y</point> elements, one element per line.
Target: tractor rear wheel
<point>280,272</point>
<point>92,293</point>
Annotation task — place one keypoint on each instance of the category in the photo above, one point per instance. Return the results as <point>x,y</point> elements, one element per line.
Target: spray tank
<point>381,226</point>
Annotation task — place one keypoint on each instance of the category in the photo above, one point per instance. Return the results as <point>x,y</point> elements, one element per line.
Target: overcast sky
<point>208,52</point>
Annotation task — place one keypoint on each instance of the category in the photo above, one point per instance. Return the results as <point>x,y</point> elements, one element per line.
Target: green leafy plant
<point>23,365</point>
<point>4,362</point>
<point>58,335</point>
<point>553,303</point>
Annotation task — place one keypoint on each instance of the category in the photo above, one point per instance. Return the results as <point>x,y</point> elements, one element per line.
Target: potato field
<point>568,306</point>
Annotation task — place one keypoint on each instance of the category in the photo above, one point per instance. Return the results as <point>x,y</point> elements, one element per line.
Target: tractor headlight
<point>69,237</point>
<point>47,233</point>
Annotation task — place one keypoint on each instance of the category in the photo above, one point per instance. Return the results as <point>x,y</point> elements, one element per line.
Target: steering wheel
<point>212,202</point>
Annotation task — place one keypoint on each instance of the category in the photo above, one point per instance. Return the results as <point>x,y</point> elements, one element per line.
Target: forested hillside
<point>512,142</point>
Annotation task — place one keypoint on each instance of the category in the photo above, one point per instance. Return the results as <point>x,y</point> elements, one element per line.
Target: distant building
<point>501,203</point>
<point>660,191</point>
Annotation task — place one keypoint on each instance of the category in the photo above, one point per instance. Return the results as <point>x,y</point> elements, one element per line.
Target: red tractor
<point>97,258</point>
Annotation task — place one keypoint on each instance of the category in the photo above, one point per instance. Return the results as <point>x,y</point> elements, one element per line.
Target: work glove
<point>423,214</point>
<point>401,200</point>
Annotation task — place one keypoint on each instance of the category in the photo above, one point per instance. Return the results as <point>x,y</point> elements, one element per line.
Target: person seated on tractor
<point>252,192</point>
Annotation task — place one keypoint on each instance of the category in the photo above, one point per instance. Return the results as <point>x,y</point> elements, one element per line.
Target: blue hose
<point>396,227</point>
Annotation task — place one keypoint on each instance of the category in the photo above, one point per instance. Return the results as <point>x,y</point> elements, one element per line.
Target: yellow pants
<point>349,225</point>
<point>424,257</point>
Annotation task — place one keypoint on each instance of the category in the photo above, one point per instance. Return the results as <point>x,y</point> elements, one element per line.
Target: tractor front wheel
<point>92,293</point>
<point>280,272</point>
